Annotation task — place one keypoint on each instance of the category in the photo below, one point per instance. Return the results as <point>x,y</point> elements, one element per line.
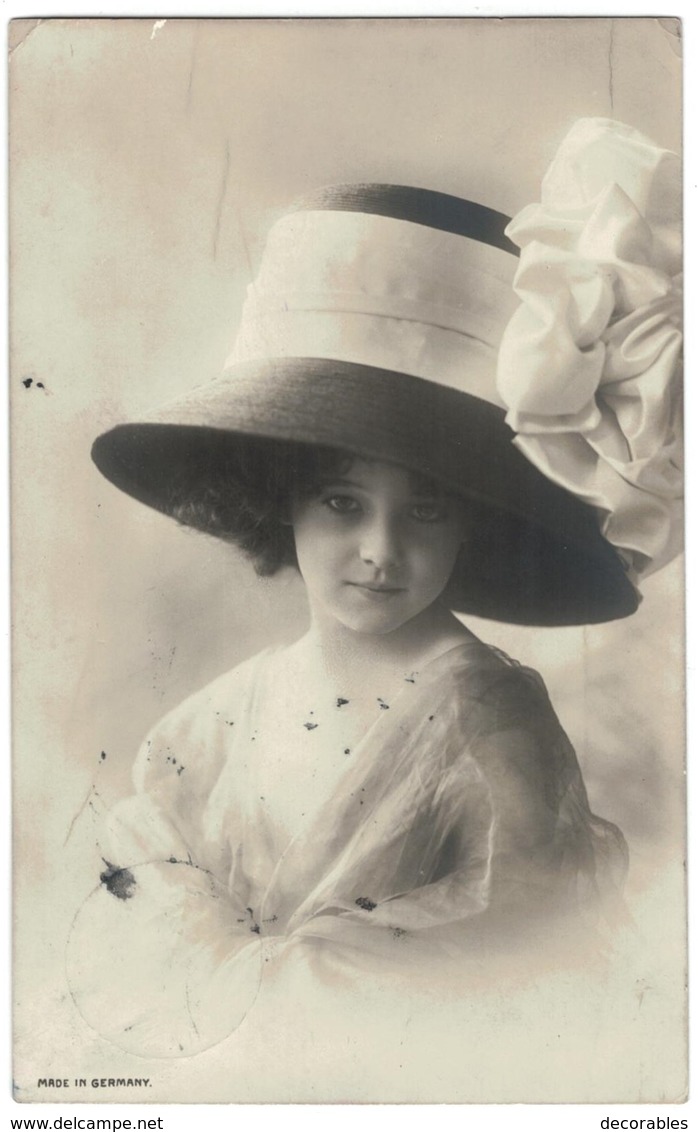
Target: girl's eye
<point>342,504</point>
<point>429,512</point>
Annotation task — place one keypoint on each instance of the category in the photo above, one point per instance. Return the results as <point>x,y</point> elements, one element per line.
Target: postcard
<point>347,582</point>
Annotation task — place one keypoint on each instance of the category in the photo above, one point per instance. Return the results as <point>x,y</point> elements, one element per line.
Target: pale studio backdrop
<point>147,163</point>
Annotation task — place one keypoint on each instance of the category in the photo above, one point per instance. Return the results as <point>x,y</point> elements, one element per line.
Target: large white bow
<point>589,364</point>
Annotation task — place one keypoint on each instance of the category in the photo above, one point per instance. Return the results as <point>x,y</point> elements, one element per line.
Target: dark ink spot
<point>365,903</point>
<point>398,933</point>
<point>310,726</point>
<point>103,755</point>
<point>347,751</point>
<point>28,382</point>
<point>384,706</point>
<point>341,702</point>
<point>40,385</point>
<point>254,926</point>
<point>180,769</point>
<point>410,680</point>
<point>119,882</point>
<point>430,718</point>
<point>271,919</point>
<point>173,861</point>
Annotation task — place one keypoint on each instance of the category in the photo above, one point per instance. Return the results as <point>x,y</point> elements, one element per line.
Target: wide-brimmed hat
<point>373,327</point>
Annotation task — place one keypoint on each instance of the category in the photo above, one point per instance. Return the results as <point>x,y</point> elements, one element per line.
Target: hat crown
<point>390,276</point>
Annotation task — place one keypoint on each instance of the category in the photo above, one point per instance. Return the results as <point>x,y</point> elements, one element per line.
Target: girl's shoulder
<point>482,666</point>
<point>187,749</point>
<point>206,722</point>
<point>488,687</point>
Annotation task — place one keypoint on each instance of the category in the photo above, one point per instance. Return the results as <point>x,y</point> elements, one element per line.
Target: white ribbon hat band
<point>383,292</point>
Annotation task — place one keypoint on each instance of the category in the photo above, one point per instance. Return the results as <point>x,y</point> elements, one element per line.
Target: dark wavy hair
<point>244,495</point>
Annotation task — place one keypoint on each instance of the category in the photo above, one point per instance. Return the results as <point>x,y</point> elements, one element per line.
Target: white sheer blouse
<point>460,821</point>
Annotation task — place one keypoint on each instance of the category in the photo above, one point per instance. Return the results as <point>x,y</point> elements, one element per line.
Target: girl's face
<point>375,546</point>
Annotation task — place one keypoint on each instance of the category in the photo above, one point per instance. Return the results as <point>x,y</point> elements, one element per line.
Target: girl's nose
<point>380,544</point>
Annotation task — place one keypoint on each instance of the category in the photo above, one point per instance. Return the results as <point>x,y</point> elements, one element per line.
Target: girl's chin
<point>373,614</point>
<point>379,622</point>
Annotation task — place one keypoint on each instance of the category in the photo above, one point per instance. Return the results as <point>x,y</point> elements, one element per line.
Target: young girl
<point>388,790</point>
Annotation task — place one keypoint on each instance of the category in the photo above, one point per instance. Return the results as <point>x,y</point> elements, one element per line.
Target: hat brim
<point>536,555</point>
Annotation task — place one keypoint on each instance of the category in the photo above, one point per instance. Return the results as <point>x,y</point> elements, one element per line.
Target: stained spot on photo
<point>121,883</point>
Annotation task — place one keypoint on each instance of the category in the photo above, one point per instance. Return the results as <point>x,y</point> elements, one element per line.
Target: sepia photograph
<point>347,552</point>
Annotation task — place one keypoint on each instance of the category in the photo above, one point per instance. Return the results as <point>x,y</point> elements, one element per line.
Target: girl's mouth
<point>377,589</point>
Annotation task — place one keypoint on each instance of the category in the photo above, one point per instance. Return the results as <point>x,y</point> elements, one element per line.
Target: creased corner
<point>18,33</point>
<point>671,26</point>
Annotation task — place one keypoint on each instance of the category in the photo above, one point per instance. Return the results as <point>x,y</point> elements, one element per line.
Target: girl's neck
<point>350,660</point>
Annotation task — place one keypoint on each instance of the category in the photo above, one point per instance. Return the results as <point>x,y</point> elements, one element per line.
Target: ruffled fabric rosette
<point>589,366</point>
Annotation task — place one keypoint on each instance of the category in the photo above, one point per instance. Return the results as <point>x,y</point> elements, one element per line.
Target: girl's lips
<point>367,587</point>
